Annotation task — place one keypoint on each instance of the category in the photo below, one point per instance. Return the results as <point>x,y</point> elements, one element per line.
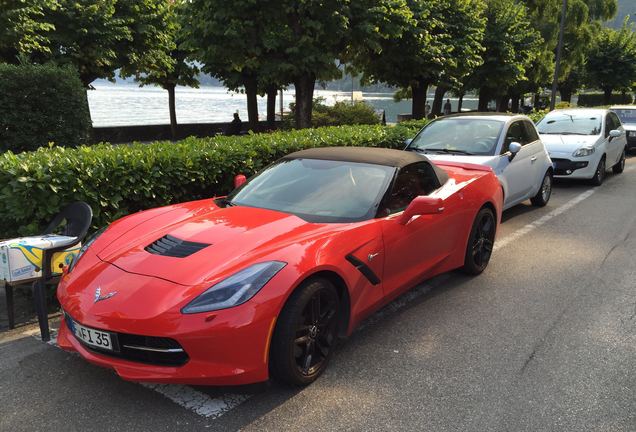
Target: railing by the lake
<point>145,133</point>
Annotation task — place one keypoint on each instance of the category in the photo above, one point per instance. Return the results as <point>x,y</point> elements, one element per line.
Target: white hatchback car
<point>584,142</point>
<point>508,143</point>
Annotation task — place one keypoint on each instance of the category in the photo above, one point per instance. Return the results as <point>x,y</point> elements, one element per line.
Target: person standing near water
<point>447,107</point>
<point>427,110</point>
<point>235,127</point>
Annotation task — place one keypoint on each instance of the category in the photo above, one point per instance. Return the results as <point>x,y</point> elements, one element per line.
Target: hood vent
<point>174,247</point>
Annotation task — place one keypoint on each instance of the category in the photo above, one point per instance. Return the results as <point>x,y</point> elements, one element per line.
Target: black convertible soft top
<point>369,155</point>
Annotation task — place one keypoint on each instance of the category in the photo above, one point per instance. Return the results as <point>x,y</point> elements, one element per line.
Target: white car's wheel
<point>599,175</point>
<point>620,165</point>
<point>545,191</point>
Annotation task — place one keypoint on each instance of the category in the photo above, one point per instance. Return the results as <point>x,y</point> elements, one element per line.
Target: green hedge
<point>598,99</point>
<point>118,180</point>
<point>41,105</point>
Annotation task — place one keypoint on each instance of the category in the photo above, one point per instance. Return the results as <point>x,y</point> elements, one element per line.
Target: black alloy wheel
<point>480,242</point>
<point>306,333</point>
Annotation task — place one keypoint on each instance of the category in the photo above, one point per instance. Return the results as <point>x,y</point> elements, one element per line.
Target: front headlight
<point>236,289</point>
<point>85,247</point>
<point>584,151</point>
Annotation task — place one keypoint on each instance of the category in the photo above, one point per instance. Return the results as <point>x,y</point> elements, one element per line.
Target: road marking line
<point>541,221</point>
<point>184,396</point>
<point>198,402</point>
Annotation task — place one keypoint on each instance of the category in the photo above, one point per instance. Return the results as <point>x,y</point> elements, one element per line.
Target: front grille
<point>174,247</point>
<point>566,166</point>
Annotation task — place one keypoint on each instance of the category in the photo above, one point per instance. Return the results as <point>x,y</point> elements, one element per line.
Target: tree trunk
<point>440,91</point>
<point>607,96</point>
<point>502,103</point>
<point>536,102</point>
<point>460,102</point>
<point>419,89</point>
<point>173,110</point>
<point>272,91</point>
<point>304,85</point>
<point>566,94</point>
<point>484,98</point>
<point>516,103</point>
<point>251,90</point>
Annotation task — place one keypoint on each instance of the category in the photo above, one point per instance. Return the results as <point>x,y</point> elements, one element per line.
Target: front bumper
<point>567,167</point>
<point>226,347</point>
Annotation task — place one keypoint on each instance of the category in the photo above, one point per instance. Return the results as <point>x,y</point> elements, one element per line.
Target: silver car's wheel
<point>545,191</point>
<point>599,175</point>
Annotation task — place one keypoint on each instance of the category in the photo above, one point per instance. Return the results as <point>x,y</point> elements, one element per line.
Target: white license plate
<point>92,337</point>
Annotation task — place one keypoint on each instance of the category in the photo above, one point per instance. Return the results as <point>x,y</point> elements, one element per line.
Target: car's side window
<point>531,132</point>
<point>516,133</point>
<point>412,181</point>
<point>609,124</point>
<point>616,120</point>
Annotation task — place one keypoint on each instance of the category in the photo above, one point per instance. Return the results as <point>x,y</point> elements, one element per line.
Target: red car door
<point>413,250</point>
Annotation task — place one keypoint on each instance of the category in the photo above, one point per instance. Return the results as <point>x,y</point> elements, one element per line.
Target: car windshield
<point>317,190</point>
<point>627,115</point>
<point>464,136</point>
<point>570,124</point>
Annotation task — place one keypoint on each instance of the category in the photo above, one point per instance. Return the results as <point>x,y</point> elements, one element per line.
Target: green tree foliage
<point>611,62</point>
<point>179,71</point>
<point>99,37</point>
<point>41,105</point>
<point>511,47</point>
<point>440,41</point>
<point>255,44</point>
<point>234,40</point>
<point>24,28</point>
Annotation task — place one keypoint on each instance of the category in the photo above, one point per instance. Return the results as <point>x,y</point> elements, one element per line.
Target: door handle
<point>533,159</point>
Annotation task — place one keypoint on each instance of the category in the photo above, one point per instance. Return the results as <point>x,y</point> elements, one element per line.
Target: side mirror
<point>615,133</point>
<point>239,180</point>
<point>421,205</point>
<point>408,142</point>
<point>514,148</point>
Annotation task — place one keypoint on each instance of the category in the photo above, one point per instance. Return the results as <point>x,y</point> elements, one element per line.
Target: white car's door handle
<point>533,159</point>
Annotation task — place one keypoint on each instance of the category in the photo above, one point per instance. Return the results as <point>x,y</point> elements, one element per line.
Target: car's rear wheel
<point>545,191</point>
<point>305,334</point>
<point>620,165</point>
<point>480,242</point>
<point>599,175</point>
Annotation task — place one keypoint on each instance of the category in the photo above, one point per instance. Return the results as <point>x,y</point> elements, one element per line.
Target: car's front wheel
<point>620,165</point>
<point>480,242</point>
<point>305,334</point>
<point>599,175</point>
<point>545,191</point>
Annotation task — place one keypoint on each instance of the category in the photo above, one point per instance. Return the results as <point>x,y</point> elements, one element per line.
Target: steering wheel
<point>484,144</point>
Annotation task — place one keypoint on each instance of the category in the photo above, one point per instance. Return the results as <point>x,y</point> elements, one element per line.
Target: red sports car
<point>261,283</point>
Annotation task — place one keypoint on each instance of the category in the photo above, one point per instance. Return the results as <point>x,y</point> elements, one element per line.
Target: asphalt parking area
<point>545,339</point>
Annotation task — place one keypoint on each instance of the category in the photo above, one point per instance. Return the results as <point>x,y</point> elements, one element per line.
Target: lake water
<point>125,104</point>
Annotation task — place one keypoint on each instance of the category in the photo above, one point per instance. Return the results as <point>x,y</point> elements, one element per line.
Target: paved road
<point>544,340</point>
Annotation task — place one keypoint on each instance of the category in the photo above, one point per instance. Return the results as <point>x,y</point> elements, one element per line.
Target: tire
<point>545,191</point>
<point>599,175</point>
<point>302,344</point>
<point>620,165</point>
<point>480,242</point>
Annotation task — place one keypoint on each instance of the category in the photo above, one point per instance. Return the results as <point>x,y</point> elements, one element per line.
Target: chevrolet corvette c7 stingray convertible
<point>263,282</point>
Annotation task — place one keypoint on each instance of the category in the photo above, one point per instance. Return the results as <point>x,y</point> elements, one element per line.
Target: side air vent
<point>364,269</point>
<point>174,247</point>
